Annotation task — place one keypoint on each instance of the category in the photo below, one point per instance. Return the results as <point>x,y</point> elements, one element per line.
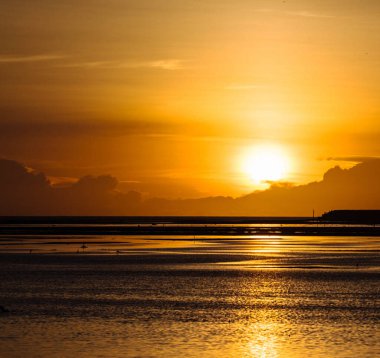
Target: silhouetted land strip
<point>113,220</point>
<point>334,216</point>
<point>221,230</point>
<point>196,225</point>
<point>352,216</point>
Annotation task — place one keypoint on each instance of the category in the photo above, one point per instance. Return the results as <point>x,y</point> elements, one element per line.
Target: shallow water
<point>202,297</point>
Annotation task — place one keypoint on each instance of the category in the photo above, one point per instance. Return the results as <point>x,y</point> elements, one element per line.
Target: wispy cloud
<point>165,64</point>
<point>354,159</point>
<point>173,64</point>
<point>29,58</point>
<point>299,13</point>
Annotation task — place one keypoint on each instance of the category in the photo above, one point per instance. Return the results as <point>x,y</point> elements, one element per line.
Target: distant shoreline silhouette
<point>352,216</point>
<point>330,224</point>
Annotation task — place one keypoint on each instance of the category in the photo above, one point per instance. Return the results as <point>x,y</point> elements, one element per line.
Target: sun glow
<point>266,163</point>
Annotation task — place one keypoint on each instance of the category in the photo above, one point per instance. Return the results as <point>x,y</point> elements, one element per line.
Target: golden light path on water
<point>264,344</point>
<point>239,296</point>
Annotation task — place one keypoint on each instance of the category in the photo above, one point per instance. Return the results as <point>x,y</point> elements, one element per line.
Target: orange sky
<point>172,95</point>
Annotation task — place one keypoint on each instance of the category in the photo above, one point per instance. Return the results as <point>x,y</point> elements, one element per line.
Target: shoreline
<point>206,230</point>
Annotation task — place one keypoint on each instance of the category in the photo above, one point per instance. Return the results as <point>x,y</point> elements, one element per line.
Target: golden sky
<point>187,92</point>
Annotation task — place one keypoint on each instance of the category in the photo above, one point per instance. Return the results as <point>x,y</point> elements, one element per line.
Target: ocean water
<point>190,297</point>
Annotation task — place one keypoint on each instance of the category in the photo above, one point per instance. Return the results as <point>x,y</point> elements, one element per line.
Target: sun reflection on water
<point>264,343</point>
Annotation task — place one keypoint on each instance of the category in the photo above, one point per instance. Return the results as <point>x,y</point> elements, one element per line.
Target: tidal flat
<point>210,296</point>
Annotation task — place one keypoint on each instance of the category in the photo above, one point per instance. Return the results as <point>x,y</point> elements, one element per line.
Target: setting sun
<point>266,163</point>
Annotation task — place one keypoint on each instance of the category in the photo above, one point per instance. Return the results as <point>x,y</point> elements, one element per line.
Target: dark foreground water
<point>190,297</point>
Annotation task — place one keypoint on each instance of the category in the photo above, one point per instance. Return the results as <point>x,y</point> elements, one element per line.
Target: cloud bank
<point>29,58</point>
<point>24,191</point>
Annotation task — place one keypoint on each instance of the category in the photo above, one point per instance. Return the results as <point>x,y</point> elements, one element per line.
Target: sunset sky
<point>189,98</point>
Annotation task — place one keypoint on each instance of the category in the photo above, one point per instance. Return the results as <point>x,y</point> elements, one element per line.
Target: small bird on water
<point>83,246</point>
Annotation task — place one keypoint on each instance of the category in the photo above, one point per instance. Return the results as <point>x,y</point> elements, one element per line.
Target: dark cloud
<point>354,188</point>
<point>15,176</point>
<point>21,190</point>
<point>26,192</point>
<point>20,124</point>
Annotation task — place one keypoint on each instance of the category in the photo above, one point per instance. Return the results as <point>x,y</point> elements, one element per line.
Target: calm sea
<point>131,296</point>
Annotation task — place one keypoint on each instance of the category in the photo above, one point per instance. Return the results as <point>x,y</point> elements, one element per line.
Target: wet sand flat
<point>160,296</point>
